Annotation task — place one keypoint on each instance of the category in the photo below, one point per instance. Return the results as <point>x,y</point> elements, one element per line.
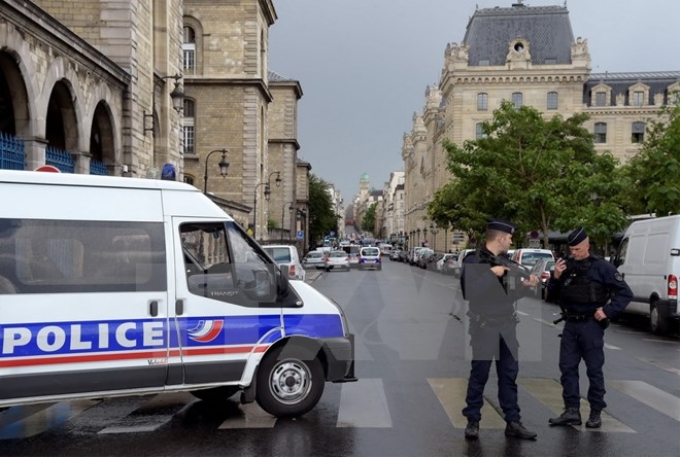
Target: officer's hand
<point>498,270</point>
<point>560,266</point>
<point>599,314</point>
<point>531,282</point>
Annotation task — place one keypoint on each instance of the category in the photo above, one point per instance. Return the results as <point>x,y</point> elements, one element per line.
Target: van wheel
<point>287,385</point>
<point>657,322</point>
<point>216,394</point>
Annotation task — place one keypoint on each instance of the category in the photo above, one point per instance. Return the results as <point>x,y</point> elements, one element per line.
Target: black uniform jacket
<point>602,272</point>
<point>488,294</point>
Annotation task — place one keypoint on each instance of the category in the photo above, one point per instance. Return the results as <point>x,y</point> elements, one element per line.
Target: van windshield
<point>280,255</point>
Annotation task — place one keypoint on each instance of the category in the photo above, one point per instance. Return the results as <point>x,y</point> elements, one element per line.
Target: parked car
<point>444,261</point>
<point>425,257</point>
<point>315,259</point>
<point>458,266</point>
<point>648,259</point>
<point>413,255</point>
<point>543,269</point>
<point>287,254</point>
<point>369,258</point>
<point>529,256</point>
<point>395,255</point>
<point>353,253</point>
<point>337,260</point>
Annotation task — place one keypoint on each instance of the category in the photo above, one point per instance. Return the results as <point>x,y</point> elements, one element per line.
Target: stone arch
<point>18,69</point>
<point>102,109</point>
<point>61,102</point>
<point>103,142</point>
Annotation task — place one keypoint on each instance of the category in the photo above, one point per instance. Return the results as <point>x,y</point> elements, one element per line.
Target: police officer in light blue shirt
<point>590,291</point>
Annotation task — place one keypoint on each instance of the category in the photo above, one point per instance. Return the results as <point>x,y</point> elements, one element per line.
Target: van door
<point>88,308</point>
<point>227,306</point>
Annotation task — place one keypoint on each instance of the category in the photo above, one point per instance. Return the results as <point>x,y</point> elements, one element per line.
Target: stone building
<point>527,55</point>
<point>393,208</point>
<point>126,87</point>
<point>87,88</point>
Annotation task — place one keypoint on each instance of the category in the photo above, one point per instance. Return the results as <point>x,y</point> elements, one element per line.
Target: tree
<point>543,174</point>
<point>368,222</point>
<point>321,216</point>
<point>651,176</point>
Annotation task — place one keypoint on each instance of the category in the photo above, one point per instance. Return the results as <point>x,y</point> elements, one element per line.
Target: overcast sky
<point>364,66</point>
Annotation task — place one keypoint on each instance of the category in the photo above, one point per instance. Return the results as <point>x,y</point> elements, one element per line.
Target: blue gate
<point>97,167</point>
<point>12,155</point>
<point>60,159</point>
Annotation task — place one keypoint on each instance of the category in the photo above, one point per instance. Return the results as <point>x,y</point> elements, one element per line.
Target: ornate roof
<point>546,28</point>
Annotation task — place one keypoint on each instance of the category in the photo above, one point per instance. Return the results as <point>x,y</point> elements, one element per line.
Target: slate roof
<point>658,82</point>
<point>546,28</point>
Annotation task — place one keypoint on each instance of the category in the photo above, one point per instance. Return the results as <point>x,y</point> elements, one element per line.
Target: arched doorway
<point>61,129</point>
<point>102,147</point>
<point>14,114</point>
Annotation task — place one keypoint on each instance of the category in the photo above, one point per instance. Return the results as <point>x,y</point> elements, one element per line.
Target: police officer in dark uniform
<point>590,291</point>
<point>487,285</point>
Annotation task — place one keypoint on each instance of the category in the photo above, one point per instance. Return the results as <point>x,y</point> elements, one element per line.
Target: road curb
<point>312,276</point>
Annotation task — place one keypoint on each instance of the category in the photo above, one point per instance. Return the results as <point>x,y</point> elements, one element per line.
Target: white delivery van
<point>121,286</point>
<point>648,258</point>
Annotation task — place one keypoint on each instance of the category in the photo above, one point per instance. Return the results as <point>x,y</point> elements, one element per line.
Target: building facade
<point>529,56</point>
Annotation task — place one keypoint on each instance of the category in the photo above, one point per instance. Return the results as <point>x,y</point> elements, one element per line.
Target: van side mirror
<point>282,278</point>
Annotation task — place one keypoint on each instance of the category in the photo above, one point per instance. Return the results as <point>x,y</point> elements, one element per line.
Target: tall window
<point>552,100</point>
<point>600,99</point>
<point>638,98</point>
<point>189,50</point>
<point>188,126</point>
<point>479,130</point>
<point>638,135</point>
<point>600,132</point>
<point>482,101</point>
<point>517,99</point>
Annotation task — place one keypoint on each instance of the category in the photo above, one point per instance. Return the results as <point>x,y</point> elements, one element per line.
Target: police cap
<point>577,236</point>
<point>501,225</point>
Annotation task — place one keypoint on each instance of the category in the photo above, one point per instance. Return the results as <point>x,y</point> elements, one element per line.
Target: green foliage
<point>272,224</point>
<point>368,222</point>
<point>321,216</point>
<point>543,174</point>
<point>651,176</point>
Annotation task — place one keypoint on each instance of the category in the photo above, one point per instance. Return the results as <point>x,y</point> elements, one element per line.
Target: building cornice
<point>292,141</point>
<point>244,82</point>
<point>269,12</point>
<point>29,18</point>
<point>295,85</point>
<point>230,204</point>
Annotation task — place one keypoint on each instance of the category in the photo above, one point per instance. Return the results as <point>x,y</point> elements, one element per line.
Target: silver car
<point>315,259</point>
<point>288,255</point>
<point>337,260</point>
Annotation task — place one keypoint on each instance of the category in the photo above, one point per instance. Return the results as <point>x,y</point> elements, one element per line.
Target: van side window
<point>621,255</point>
<point>206,260</point>
<point>53,256</point>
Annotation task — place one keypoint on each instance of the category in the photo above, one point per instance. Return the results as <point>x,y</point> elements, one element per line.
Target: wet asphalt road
<point>412,361</point>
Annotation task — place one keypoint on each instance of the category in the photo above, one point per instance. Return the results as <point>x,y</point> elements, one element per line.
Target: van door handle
<point>153,308</point>
<point>179,307</point>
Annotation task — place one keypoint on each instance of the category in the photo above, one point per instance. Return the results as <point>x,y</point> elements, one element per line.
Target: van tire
<point>307,377</point>
<point>657,321</point>
<point>216,394</point>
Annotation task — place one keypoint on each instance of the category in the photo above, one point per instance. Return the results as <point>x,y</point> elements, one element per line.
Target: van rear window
<point>53,256</point>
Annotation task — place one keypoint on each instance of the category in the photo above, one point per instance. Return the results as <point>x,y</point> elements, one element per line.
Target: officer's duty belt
<point>573,317</point>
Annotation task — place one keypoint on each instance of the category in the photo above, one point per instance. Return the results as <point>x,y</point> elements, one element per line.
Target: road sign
<point>300,234</point>
<point>48,168</point>
<point>332,233</point>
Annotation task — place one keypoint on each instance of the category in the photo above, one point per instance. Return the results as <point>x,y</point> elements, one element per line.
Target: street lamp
<point>267,195</point>
<point>434,229</point>
<point>177,96</point>
<point>224,167</point>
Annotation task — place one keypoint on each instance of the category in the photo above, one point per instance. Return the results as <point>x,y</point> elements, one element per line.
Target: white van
<point>121,286</point>
<point>648,258</point>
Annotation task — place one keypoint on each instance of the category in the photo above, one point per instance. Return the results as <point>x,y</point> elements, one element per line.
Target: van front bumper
<point>339,354</point>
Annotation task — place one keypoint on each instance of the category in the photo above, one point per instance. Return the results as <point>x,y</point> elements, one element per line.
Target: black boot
<point>517,430</point>
<point>472,430</point>
<point>570,416</point>
<point>594,420</point>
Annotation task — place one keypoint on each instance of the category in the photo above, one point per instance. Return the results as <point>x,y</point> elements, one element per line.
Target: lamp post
<point>177,96</point>
<point>267,195</point>
<point>434,229</point>
<point>283,212</point>
<point>224,167</point>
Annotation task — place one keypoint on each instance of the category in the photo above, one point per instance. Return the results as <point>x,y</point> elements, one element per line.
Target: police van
<point>121,286</point>
<point>648,258</point>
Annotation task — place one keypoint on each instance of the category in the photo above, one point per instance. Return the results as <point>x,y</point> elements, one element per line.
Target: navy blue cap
<point>577,236</point>
<point>501,225</point>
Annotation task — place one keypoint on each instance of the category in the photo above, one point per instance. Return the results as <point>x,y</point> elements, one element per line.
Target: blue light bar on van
<point>675,251</point>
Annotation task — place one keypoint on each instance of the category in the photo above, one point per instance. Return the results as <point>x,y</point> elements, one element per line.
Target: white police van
<point>121,286</point>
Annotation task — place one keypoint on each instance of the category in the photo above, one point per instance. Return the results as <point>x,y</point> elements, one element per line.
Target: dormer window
<point>638,94</point>
<point>600,98</point>
<point>638,98</point>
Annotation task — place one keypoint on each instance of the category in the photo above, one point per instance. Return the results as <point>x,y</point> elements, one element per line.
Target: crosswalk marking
<point>363,404</point>
<point>611,346</point>
<point>655,398</point>
<point>658,364</point>
<point>153,414</point>
<point>253,417</point>
<point>451,394</point>
<point>549,392</point>
<point>27,421</point>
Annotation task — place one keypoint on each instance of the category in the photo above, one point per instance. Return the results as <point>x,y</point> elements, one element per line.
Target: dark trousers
<point>582,340</point>
<point>489,344</point>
